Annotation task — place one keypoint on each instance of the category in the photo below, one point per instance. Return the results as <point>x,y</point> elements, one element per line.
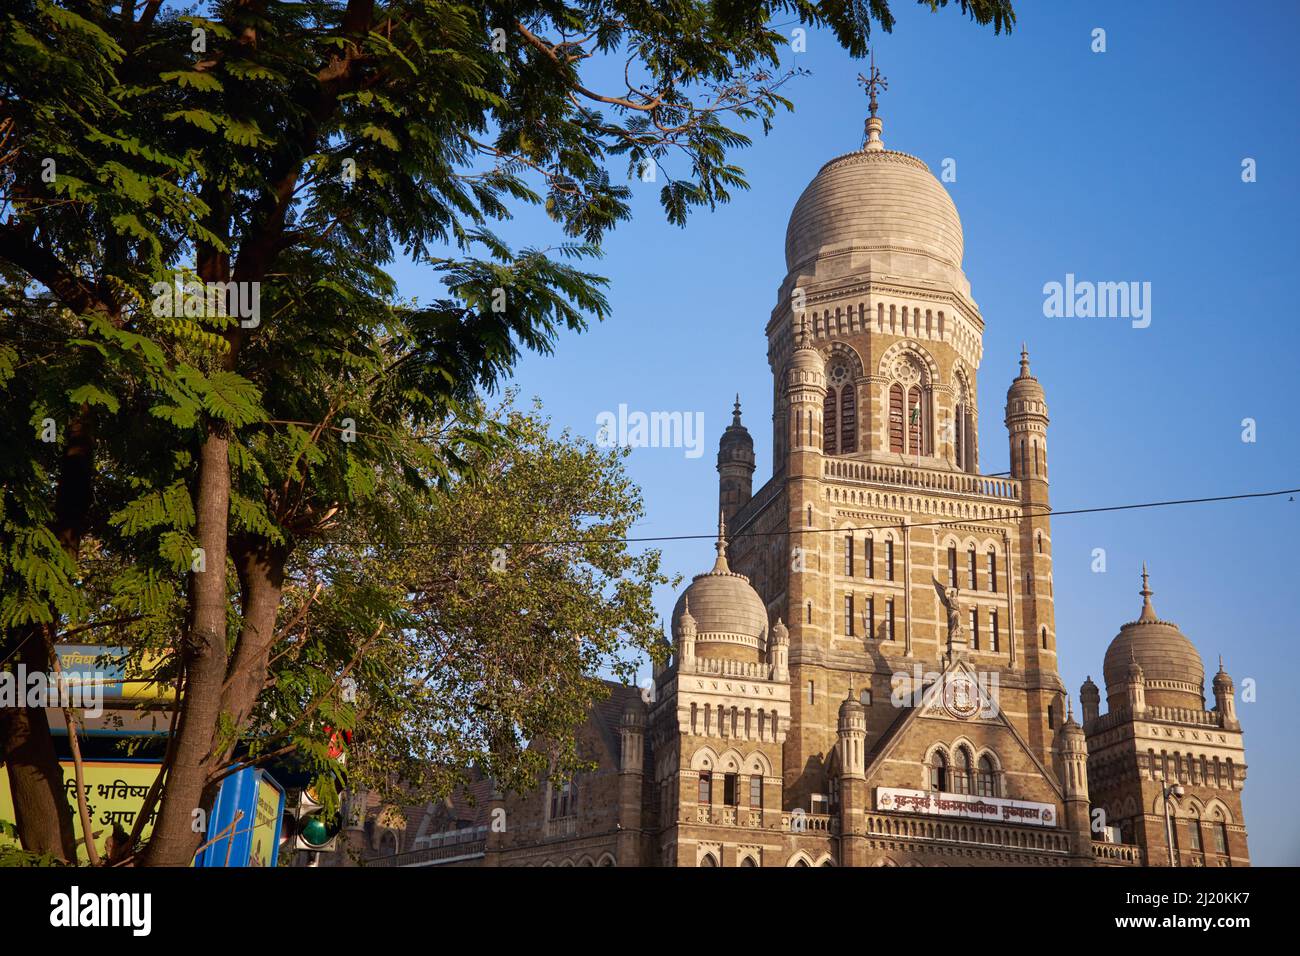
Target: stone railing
<point>799,822</point>
<point>1182,715</point>
<point>1185,715</point>
<point>1117,854</point>
<point>909,827</point>
<point>922,479</point>
<point>431,855</point>
<point>561,827</point>
<point>754,670</point>
<point>725,816</point>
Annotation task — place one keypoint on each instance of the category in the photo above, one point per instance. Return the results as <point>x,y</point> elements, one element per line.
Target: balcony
<point>1117,854</point>
<point>725,816</point>
<point>923,479</point>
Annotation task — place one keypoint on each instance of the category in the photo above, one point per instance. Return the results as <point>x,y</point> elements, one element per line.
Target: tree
<point>281,154</point>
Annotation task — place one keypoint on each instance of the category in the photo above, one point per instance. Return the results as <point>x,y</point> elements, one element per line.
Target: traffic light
<point>317,829</point>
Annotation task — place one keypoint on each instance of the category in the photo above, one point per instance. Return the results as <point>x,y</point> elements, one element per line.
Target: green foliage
<point>304,147</point>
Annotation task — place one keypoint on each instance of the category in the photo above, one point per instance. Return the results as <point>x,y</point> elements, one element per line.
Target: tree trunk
<point>175,837</point>
<point>43,817</point>
<point>260,565</point>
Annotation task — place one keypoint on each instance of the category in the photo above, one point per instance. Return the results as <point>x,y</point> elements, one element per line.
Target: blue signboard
<point>244,828</point>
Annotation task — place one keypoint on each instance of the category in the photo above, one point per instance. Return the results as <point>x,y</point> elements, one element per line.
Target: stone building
<point>867,676</point>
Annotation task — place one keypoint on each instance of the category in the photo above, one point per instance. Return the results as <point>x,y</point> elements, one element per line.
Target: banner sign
<point>105,666</point>
<point>114,789</point>
<point>967,806</point>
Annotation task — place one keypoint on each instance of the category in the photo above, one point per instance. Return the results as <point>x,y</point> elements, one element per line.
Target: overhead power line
<point>1049,512</point>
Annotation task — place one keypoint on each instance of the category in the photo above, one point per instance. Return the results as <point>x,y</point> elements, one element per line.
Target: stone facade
<point>868,675</point>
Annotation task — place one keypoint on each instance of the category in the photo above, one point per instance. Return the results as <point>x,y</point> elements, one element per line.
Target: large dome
<point>875,209</point>
<point>1171,666</point>
<point>730,618</point>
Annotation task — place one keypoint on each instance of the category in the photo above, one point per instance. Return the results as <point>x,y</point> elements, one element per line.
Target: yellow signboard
<point>266,824</point>
<point>115,791</point>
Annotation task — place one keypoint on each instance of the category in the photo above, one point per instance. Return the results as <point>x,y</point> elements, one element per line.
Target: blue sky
<point>1115,166</point>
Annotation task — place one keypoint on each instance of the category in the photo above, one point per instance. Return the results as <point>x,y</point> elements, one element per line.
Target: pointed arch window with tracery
<point>840,411</point>
<point>910,407</point>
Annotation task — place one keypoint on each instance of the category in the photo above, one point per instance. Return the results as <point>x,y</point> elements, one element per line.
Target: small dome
<point>1222,682</point>
<point>876,210</point>
<point>1089,690</point>
<point>730,618</point>
<point>1167,660</point>
<point>736,437</point>
<point>1026,393</point>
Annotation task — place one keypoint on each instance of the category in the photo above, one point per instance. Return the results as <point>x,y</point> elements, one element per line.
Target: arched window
<point>849,419</point>
<point>896,418</point>
<point>961,772</point>
<point>938,771</point>
<point>986,780</point>
<point>830,422</point>
<point>914,416</point>
<point>840,411</point>
<point>748,861</point>
<point>1044,638</point>
<point>709,860</point>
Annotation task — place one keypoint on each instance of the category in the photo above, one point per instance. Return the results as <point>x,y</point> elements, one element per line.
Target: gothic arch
<point>891,354</point>
<point>729,761</point>
<point>704,759</point>
<point>757,763</point>
<point>846,353</point>
<point>1217,811</point>
<point>801,858</point>
<point>607,859</point>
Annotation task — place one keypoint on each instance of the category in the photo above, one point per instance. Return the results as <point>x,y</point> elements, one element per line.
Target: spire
<point>735,412</point>
<point>873,83</point>
<point>1148,612</point>
<point>1024,362</point>
<point>720,566</point>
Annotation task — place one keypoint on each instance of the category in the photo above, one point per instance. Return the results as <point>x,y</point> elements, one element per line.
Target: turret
<point>735,466</point>
<point>1090,701</point>
<point>1026,421</point>
<point>686,640</point>
<point>1135,689</point>
<point>630,780</point>
<point>778,652</point>
<point>805,393</point>
<point>1225,703</point>
<point>1072,749</point>
<point>851,742</point>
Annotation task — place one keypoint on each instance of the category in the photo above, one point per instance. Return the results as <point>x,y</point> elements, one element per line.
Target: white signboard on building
<point>967,806</point>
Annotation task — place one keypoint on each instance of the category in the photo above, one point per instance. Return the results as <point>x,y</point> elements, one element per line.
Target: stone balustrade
<point>922,479</point>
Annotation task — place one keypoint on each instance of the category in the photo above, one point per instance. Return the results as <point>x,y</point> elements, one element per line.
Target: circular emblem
<point>961,697</point>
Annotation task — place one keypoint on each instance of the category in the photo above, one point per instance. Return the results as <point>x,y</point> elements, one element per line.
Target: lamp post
<point>1176,790</point>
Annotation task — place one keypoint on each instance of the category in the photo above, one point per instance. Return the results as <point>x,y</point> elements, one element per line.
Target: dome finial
<point>873,82</point>
<point>1148,612</point>
<point>1024,361</point>
<point>735,412</point>
<point>721,564</point>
